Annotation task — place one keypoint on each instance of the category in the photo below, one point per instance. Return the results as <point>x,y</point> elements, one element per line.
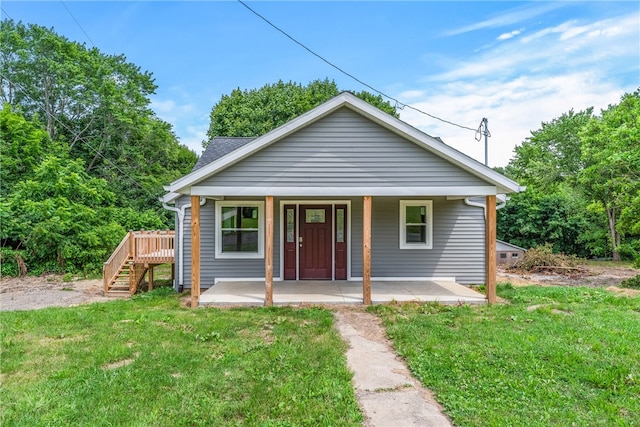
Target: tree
<point>252,113</point>
<point>56,217</point>
<point>96,104</point>
<point>535,218</point>
<point>22,147</point>
<point>611,177</point>
<point>551,156</point>
<point>83,158</point>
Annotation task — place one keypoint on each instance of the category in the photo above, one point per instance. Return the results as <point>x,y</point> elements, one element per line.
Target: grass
<point>608,263</point>
<point>149,362</point>
<point>553,356</point>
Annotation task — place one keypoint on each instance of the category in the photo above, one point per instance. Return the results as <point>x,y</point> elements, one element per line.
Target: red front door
<point>315,241</point>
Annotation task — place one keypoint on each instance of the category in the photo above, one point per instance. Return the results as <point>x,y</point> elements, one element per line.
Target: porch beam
<point>195,251</point>
<point>490,268</point>
<point>366,251</point>
<point>268,253</point>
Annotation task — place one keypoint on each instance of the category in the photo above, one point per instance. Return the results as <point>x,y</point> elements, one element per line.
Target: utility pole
<point>483,129</point>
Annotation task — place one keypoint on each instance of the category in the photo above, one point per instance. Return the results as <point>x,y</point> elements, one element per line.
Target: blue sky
<point>516,63</point>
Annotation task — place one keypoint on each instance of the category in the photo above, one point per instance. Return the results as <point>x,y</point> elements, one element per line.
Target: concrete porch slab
<point>338,292</point>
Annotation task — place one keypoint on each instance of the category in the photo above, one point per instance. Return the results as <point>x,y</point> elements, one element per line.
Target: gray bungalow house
<point>343,192</point>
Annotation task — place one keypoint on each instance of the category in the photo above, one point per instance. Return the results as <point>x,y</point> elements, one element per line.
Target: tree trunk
<point>613,234</point>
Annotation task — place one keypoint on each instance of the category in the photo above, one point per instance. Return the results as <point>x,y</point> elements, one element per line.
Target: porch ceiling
<point>338,292</point>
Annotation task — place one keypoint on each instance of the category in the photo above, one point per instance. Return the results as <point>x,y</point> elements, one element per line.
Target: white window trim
<point>403,224</point>
<point>239,255</point>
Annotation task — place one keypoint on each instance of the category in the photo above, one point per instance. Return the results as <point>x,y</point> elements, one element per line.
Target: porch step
<point>117,293</point>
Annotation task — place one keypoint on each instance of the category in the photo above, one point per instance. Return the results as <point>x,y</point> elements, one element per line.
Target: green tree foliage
<point>58,217</point>
<point>22,146</point>
<point>532,219</point>
<point>611,177</point>
<point>98,105</point>
<point>551,156</point>
<point>83,156</point>
<point>583,177</point>
<point>252,113</point>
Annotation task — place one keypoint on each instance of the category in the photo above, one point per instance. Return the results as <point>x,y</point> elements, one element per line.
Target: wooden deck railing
<point>140,248</point>
<point>153,247</point>
<point>111,268</point>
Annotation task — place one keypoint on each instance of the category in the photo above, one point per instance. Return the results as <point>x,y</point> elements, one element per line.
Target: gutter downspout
<point>181,211</point>
<point>503,200</point>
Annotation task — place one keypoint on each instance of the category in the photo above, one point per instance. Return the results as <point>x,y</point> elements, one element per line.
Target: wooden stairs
<point>136,255</point>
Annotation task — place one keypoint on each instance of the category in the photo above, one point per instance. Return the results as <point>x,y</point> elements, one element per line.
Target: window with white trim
<point>239,229</point>
<point>416,224</point>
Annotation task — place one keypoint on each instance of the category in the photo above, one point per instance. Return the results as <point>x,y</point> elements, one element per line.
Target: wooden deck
<point>136,255</point>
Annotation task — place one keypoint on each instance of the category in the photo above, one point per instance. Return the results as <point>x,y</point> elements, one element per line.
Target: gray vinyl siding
<point>458,242</point>
<point>210,267</point>
<point>343,149</point>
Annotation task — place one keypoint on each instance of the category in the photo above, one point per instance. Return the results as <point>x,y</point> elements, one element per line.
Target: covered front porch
<point>291,292</point>
<point>360,292</point>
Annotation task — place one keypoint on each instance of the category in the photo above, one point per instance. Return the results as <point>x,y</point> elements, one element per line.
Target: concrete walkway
<point>387,393</point>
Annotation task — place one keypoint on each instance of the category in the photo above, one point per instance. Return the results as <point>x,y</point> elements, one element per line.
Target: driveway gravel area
<point>30,293</point>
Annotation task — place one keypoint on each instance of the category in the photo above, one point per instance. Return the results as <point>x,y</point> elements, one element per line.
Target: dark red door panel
<point>315,241</point>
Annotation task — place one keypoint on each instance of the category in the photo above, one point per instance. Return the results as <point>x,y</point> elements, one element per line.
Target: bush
<point>632,283</point>
<point>12,262</point>
<point>629,251</point>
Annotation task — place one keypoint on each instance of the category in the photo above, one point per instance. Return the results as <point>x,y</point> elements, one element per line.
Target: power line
<point>78,23</point>
<point>399,104</point>
<point>5,12</point>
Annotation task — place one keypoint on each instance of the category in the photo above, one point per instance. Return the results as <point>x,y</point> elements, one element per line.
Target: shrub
<point>632,283</point>
<point>12,262</point>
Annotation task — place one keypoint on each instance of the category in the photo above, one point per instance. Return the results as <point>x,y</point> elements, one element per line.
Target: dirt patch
<point>594,276</point>
<point>28,293</point>
<point>368,325</point>
<point>120,363</point>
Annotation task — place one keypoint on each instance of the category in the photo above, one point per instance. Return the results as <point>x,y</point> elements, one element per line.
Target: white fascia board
<point>260,142</point>
<point>342,191</point>
<point>170,197</point>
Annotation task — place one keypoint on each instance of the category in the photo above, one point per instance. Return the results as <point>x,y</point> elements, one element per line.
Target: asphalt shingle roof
<point>218,147</point>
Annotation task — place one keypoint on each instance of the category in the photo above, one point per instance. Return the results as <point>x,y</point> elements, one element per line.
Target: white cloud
<point>188,124</point>
<point>507,36</point>
<point>514,108</point>
<point>193,137</point>
<point>511,17</point>
<point>162,107</point>
<point>608,44</point>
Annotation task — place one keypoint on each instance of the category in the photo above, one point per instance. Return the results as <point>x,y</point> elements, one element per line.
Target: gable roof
<point>502,246</point>
<point>215,163</point>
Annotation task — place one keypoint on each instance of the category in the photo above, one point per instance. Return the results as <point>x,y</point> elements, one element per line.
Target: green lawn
<point>565,356</point>
<point>552,356</point>
<point>148,362</point>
